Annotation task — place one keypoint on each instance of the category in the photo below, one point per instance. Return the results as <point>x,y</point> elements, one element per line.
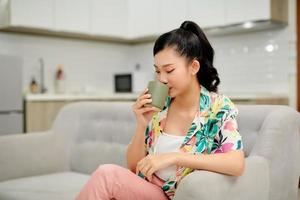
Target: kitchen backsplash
<point>260,62</point>
<point>88,65</point>
<point>257,62</point>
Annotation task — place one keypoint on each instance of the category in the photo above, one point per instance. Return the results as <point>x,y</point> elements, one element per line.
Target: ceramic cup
<point>159,94</point>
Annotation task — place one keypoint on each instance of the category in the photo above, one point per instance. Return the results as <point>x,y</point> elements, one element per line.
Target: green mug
<point>159,94</point>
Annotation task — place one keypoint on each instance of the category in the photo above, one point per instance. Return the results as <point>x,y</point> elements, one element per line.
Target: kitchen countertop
<point>83,96</point>
<point>257,96</point>
<point>133,96</point>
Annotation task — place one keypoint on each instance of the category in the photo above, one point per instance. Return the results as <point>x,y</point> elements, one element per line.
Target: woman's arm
<point>136,149</point>
<point>230,163</point>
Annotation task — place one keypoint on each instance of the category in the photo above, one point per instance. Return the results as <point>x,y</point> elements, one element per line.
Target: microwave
<point>123,82</point>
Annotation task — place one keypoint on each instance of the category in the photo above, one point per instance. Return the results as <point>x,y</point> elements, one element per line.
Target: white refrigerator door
<point>11,123</point>
<point>10,83</point>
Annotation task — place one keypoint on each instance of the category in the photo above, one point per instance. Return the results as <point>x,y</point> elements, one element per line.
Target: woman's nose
<point>163,79</point>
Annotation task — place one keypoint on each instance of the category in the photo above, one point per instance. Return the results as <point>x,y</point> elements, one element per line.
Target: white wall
<point>86,63</point>
<point>245,65</point>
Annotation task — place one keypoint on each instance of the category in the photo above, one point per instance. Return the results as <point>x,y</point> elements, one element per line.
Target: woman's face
<point>173,69</point>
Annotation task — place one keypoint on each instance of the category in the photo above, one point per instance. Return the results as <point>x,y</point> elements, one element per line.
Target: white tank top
<point>167,143</point>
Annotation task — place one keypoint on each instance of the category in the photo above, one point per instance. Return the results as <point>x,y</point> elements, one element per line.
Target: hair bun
<point>188,25</point>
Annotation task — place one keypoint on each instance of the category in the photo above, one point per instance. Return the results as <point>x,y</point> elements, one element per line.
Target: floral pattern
<point>213,130</point>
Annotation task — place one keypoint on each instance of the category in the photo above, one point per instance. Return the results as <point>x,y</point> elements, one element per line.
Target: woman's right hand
<point>142,113</point>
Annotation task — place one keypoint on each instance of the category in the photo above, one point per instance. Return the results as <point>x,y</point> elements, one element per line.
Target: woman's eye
<point>170,71</point>
<point>157,72</point>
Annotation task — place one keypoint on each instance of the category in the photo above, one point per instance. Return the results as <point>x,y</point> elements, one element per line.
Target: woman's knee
<point>108,169</point>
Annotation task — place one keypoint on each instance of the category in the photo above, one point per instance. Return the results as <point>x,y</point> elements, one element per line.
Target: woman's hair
<point>190,41</point>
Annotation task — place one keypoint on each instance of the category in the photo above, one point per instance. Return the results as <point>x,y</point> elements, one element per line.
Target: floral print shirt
<point>213,130</point>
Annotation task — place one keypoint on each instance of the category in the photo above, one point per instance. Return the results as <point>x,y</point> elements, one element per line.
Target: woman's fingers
<point>148,109</point>
<point>144,109</point>
<point>138,166</point>
<point>145,169</point>
<point>150,174</point>
<point>155,109</point>
<point>144,92</point>
<point>142,102</point>
<point>145,96</point>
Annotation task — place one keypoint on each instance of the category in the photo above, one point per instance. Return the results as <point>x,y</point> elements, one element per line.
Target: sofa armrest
<point>278,142</point>
<point>206,185</point>
<point>281,128</point>
<point>31,154</point>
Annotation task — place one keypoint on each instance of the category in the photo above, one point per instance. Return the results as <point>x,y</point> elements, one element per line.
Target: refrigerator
<point>11,98</point>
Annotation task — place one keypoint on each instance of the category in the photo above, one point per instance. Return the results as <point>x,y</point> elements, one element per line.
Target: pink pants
<point>111,181</point>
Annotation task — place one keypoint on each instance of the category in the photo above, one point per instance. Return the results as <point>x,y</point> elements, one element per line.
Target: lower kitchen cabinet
<point>41,114</point>
<point>264,101</point>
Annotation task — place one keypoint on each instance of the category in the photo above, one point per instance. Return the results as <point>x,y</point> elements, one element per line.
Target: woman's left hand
<point>152,163</point>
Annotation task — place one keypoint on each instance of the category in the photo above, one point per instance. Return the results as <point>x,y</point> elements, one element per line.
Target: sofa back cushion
<point>88,155</point>
<point>97,133</point>
<point>106,122</point>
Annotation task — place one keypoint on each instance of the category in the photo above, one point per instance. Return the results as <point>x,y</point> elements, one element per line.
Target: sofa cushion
<point>88,121</point>
<point>107,129</point>
<point>87,156</point>
<point>58,186</point>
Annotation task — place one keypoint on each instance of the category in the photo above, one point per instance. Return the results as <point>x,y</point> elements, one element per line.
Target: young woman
<point>196,130</point>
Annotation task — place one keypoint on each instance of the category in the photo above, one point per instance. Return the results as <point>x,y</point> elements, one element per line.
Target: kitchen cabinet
<point>130,20</point>
<point>31,13</point>
<point>40,115</point>
<point>261,101</point>
<point>109,18</point>
<point>72,16</point>
<point>206,13</point>
<point>143,18</point>
<point>240,11</point>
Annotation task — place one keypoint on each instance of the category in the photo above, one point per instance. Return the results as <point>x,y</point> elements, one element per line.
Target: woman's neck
<point>189,100</point>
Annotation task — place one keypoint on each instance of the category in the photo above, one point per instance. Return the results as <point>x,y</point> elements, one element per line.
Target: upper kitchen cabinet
<point>206,13</point>
<point>241,11</point>
<point>27,14</point>
<point>143,18</point>
<point>171,13</point>
<point>109,18</point>
<point>72,16</point>
<point>133,21</point>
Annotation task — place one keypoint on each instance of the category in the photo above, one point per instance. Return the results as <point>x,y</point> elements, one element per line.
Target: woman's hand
<point>143,114</point>
<point>152,163</point>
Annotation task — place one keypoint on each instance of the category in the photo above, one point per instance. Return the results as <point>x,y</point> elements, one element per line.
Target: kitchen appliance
<point>11,101</point>
<point>123,82</point>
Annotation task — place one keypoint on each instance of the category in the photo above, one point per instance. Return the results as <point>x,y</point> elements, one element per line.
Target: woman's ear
<point>195,66</point>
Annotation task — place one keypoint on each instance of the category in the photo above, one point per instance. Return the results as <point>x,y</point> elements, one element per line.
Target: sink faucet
<point>42,65</point>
